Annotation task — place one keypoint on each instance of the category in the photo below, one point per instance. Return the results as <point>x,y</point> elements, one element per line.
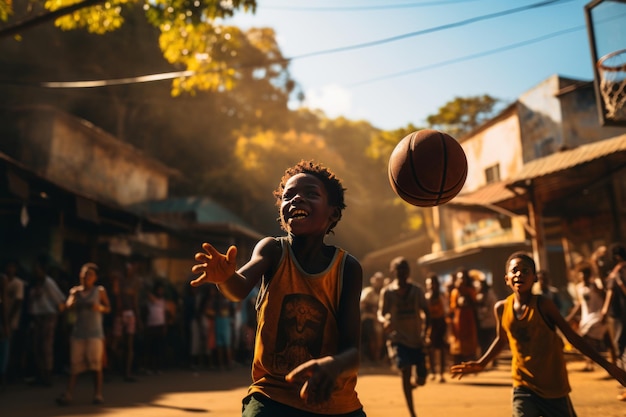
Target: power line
<point>468,57</point>
<point>431,30</point>
<point>364,8</point>
<point>171,75</point>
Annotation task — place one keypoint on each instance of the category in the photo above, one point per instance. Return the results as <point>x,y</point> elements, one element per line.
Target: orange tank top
<point>297,321</point>
<point>537,351</point>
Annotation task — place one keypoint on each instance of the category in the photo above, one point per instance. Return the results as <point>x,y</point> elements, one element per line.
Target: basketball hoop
<point>612,74</point>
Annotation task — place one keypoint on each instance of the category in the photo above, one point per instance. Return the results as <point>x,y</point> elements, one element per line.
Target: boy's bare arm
<point>549,309</point>
<point>496,346</point>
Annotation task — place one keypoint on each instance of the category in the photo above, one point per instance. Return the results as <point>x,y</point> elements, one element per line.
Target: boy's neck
<point>523,297</point>
<point>311,253</point>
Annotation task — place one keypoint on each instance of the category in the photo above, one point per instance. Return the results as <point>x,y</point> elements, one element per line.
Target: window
<point>492,173</point>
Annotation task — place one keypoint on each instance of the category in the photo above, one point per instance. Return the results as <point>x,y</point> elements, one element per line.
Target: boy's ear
<point>336,214</point>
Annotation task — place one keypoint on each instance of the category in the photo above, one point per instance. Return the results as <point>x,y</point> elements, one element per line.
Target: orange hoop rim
<point>602,66</point>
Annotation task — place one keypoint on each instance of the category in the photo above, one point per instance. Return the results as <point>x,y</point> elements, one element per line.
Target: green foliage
<point>6,9</point>
<point>192,36</point>
<point>463,114</point>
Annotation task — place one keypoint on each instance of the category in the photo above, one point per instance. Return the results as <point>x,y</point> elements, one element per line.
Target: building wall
<point>83,158</point>
<point>488,147</point>
<point>113,173</point>
<point>541,119</point>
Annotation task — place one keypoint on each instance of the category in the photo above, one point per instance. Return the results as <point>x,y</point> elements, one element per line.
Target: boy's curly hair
<point>523,256</point>
<point>332,184</point>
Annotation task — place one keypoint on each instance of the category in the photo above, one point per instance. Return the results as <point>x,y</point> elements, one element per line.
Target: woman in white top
<point>590,300</point>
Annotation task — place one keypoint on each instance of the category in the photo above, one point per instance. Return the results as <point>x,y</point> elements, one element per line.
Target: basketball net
<point>612,74</point>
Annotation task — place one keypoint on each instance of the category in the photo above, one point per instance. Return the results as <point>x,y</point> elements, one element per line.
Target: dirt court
<point>182,392</point>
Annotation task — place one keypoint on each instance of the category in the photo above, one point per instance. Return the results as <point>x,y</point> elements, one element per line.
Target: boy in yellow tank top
<point>540,381</point>
<point>306,353</point>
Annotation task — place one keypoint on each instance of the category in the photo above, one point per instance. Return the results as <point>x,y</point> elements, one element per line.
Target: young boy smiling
<point>540,381</point>
<point>306,351</point>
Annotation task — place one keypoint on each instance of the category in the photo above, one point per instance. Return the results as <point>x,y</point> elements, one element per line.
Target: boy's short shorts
<point>403,356</point>
<point>527,403</point>
<point>258,405</point>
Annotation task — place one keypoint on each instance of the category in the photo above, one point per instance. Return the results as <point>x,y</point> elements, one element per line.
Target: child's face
<point>304,209</point>
<point>90,277</point>
<point>520,276</point>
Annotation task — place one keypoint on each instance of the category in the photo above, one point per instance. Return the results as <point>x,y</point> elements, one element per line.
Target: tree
<point>463,114</point>
<point>192,36</point>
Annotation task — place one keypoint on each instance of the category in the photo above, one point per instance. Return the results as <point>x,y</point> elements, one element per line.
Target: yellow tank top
<point>297,321</point>
<point>537,351</point>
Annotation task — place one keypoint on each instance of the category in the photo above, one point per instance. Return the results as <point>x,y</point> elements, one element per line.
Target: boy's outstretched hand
<point>214,267</point>
<point>458,371</point>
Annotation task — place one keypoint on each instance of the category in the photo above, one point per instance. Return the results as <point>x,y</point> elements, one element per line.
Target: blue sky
<point>391,84</point>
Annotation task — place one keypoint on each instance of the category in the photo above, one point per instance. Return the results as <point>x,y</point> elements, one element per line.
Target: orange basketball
<point>427,168</point>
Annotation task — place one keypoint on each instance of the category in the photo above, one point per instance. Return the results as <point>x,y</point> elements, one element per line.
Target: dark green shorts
<point>258,405</point>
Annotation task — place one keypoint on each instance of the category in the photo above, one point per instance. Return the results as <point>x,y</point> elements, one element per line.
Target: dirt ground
<point>183,392</point>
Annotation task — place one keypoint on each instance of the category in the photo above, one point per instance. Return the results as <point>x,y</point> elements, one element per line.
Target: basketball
<point>427,168</point>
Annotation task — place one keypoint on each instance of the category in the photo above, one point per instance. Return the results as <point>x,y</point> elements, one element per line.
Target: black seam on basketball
<point>409,154</point>
<point>418,183</point>
<point>445,165</point>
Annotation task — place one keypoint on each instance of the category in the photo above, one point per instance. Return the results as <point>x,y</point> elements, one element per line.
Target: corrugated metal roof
<point>488,194</point>
<point>498,192</point>
<point>570,158</point>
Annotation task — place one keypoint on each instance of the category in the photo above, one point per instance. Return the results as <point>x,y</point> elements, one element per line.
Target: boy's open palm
<point>213,266</point>
<point>461,369</point>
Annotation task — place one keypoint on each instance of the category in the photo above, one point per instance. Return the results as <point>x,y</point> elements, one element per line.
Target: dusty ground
<point>182,392</point>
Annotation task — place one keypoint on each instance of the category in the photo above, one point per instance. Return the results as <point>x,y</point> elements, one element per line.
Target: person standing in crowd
<point>224,317</point>
<point>126,292</point>
<point>371,328</point>
<point>45,302</point>
<point>463,309</point>
<point>88,302</point>
<point>406,320</point>
<point>13,303</point>
<point>485,302</point>
<point>437,335</point>
<point>589,302</point>
<point>156,328</point>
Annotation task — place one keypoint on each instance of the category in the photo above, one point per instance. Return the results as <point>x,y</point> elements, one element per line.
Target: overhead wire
<point>468,57</point>
<point>363,7</point>
<point>177,74</point>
